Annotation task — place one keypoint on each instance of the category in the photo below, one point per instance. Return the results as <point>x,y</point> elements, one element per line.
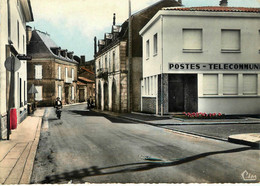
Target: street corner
<point>251,139</point>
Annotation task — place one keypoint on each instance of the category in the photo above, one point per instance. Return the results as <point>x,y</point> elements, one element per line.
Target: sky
<point>73,24</point>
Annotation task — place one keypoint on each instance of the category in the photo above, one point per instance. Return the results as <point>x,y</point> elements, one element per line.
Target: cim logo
<point>248,176</point>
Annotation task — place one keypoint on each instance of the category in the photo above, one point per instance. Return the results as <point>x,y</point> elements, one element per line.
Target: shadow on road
<point>79,175</point>
<point>88,113</point>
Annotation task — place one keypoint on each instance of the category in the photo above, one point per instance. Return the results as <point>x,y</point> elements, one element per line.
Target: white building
<point>206,59</point>
<point>14,15</point>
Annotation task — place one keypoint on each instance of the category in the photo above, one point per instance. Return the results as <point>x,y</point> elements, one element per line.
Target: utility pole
<point>129,59</point>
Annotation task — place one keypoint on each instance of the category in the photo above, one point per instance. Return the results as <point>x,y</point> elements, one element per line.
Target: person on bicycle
<point>58,103</point>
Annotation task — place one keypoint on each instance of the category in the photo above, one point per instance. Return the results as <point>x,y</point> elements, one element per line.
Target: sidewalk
<point>17,154</point>
<point>201,127</point>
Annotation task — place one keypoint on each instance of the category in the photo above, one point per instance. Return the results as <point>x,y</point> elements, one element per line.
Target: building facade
<point>14,16</point>
<point>204,59</point>
<point>53,71</point>
<point>118,81</point>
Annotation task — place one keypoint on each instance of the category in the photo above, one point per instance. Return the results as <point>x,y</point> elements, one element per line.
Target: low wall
<point>149,104</point>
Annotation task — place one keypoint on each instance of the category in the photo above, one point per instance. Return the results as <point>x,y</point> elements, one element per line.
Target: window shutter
<point>192,39</point>
<point>210,84</point>
<point>72,93</point>
<point>230,84</point>
<point>230,40</point>
<point>250,84</point>
<point>72,74</point>
<point>38,96</point>
<point>59,72</point>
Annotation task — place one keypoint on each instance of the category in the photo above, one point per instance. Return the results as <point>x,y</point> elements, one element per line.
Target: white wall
<point>16,16</point>
<point>152,65</point>
<point>211,26</point>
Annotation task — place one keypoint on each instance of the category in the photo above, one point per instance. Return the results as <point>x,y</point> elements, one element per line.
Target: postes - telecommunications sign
<point>214,66</point>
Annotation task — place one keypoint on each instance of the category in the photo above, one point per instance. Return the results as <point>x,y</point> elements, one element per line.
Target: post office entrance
<point>182,93</point>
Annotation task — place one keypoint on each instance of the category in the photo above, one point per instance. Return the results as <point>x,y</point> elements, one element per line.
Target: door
<point>81,95</point>
<point>176,96</point>
<point>67,95</point>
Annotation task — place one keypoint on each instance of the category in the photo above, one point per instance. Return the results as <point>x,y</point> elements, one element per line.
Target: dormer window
<point>63,53</point>
<point>56,50</point>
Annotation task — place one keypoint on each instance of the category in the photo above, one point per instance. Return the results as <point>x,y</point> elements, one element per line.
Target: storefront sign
<point>214,66</point>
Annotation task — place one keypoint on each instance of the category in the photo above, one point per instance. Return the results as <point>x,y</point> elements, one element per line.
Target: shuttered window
<point>66,74</point>
<point>59,72</point>
<point>72,93</point>
<point>38,96</point>
<point>210,84</point>
<point>155,44</point>
<point>230,84</point>
<point>192,40</point>
<point>72,74</point>
<point>38,71</point>
<point>230,40</point>
<point>147,49</point>
<point>250,84</point>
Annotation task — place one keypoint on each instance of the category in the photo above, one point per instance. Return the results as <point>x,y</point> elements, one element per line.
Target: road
<point>88,147</point>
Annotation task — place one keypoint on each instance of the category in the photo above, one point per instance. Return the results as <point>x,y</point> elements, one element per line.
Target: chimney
<point>82,60</point>
<point>223,3</point>
<point>180,1</point>
<point>114,19</point>
<point>95,45</point>
<point>28,34</point>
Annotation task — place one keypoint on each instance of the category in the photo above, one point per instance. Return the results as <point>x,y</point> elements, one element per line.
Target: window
<point>155,44</point>
<point>18,34</point>
<point>230,40</point>
<point>259,40</point>
<point>210,84</point>
<point>147,49</point>
<point>24,92</point>
<point>38,71</point>
<point>230,84</point>
<point>72,93</point>
<point>66,74</point>
<point>72,74</point>
<point>59,91</point>
<point>113,61</point>
<point>38,96</point>
<point>59,72</point>
<point>192,40</point>
<point>250,84</point>
<point>23,44</point>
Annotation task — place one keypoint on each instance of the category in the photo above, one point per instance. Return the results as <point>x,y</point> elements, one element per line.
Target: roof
<point>87,70</point>
<point>46,39</point>
<point>85,79</point>
<point>41,45</point>
<point>81,84</point>
<point>215,9</point>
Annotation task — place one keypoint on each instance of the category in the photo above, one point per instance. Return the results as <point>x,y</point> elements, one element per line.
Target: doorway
<point>182,93</point>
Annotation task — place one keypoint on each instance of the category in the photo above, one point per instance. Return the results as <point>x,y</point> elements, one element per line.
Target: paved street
<point>85,146</point>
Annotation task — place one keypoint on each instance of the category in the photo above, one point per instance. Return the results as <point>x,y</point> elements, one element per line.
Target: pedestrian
<point>88,103</point>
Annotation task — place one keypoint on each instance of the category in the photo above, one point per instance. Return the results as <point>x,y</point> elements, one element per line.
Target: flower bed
<point>200,115</point>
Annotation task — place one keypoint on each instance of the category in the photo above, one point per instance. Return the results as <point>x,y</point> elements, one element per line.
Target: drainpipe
<point>9,22</point>
<point>129,58</point>
<point>162,91</point>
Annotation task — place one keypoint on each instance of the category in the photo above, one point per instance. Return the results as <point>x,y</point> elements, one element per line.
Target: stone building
<point>86,80</point>
<point>113,89</point>
<point>202,59</point>
<point>52,70</point>
<point>14,14</point>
